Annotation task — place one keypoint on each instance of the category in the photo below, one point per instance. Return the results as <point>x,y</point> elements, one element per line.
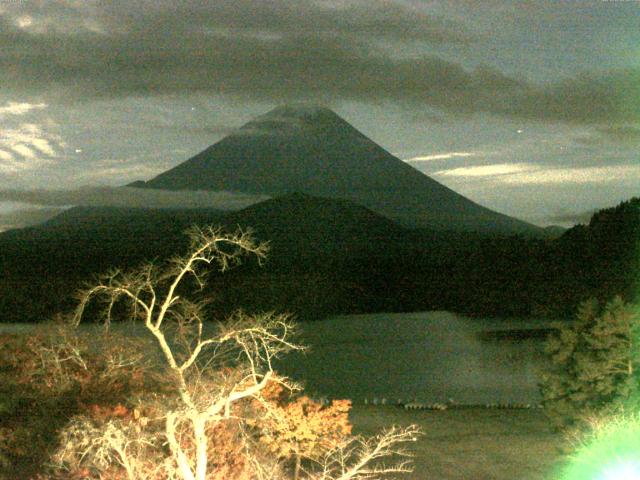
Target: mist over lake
<point>425,357</point>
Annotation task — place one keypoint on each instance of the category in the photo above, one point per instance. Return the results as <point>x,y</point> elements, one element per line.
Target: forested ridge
<point>331,257</point>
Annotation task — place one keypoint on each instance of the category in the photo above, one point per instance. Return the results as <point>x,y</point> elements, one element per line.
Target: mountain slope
<point>313,150</point>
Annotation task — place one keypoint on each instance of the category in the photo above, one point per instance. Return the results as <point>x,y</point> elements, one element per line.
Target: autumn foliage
<point>297,427</point>
<point>48,395</point>
<point>54,374</point>
<point>178,402</point>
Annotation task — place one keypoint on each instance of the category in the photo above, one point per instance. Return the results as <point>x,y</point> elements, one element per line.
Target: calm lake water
<point>425,357</point>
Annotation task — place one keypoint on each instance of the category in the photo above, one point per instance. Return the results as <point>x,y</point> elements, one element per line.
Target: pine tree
<point>593,364</point>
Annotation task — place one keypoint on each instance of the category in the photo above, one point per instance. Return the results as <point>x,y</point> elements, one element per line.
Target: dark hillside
<point>300,226</point>
<point>602,259</point>
<point>42,266</point>
<point>330,257</point>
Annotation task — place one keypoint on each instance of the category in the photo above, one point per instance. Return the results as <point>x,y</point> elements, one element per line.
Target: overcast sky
<point>530,107</point>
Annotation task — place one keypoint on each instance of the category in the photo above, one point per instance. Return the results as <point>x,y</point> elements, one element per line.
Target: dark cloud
<point>370,19</point>
<point>620,135</point>
<point>279,51</point>
<point>131,197</point>
<point>612,96</point>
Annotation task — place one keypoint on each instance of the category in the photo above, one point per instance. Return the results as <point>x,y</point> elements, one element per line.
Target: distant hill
<point>42,266</point>
<point>298,224</point>
<point>313,150</point>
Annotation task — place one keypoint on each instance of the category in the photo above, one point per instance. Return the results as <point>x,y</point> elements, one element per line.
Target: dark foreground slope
<point>313,150</point>
<point>41,267</point>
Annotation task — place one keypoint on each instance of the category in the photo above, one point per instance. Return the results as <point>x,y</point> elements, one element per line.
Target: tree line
<point>324,266</point>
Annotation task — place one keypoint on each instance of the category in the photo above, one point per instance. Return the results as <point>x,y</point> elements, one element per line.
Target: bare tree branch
<point>204,394</point>
<point>358,458</point>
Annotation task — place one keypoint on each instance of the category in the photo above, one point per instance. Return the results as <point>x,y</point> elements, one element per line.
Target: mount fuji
<point>312,150</point>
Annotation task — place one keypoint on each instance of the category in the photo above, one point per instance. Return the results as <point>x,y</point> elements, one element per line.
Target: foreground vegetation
<point>175,405</point>
<point>595,365</point>
<point>591,391</point>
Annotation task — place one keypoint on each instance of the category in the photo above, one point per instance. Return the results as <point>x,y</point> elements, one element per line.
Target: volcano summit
<point>312,150</point>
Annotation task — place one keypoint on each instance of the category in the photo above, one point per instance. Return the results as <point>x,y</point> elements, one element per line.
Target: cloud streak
<point>525,173</point>
<point>27,147</point>
<point>577,176</point>
<point>495,170</point>
<point>131,197</point>
<point>48,203</point>
<point>440,156</point>
<point>20,108</point>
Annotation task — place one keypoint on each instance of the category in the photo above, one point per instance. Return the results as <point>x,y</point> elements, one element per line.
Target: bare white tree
<point>209,374</point>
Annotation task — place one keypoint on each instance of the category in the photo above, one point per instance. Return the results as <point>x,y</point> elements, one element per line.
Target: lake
<point>426,357</point>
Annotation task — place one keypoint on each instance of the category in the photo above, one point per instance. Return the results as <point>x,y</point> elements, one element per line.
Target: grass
<point>472,443</point>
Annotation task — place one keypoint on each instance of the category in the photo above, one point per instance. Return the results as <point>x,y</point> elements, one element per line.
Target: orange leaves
<point>48,377</point>
<point>104,412</point>
<point>228,452</point>
<point>300,426</point>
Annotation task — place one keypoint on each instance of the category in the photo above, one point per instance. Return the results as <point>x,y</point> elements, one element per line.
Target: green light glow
<point>612,452</point>
<point>624,470</point>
